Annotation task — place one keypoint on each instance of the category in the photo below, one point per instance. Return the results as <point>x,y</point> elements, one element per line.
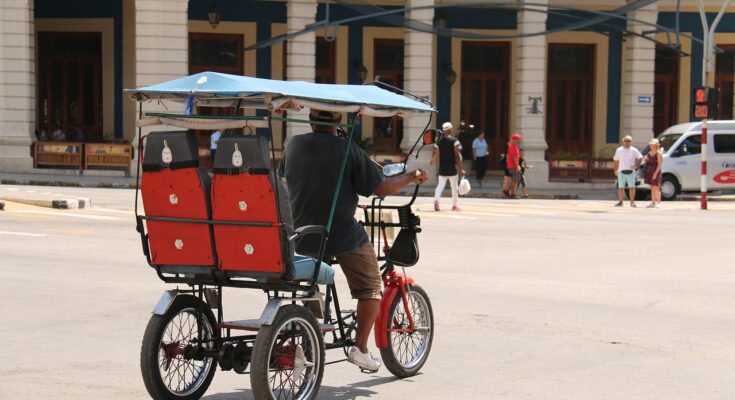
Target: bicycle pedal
<point>367,371</point>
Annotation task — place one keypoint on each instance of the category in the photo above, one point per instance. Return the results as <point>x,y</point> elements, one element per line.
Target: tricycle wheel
<point>170,357</point>
<point>288,356</point>
<point>407,352</point>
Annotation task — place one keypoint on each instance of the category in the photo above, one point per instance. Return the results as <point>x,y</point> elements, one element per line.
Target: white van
<point>682,147</point>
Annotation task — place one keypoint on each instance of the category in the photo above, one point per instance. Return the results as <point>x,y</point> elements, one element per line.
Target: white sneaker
<point>365,361</point>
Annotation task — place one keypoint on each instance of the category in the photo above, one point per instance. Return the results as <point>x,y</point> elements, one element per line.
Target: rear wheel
<point>407,352</point>
<point>288,357</point>
<point>168,357</point>
<point>669,187</point>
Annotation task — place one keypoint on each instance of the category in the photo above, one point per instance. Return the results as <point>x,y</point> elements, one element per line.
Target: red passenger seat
<point>245,190</point>
<point>173,186</point>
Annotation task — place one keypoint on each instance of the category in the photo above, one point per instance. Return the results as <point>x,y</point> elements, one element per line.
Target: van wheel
<point>669,188</point>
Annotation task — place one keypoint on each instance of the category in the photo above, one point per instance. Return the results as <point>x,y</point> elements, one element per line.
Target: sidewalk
<point>492,187</point>
<point>118,182</point>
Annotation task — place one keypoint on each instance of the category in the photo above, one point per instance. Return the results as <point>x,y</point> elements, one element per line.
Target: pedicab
<point>232,229</point>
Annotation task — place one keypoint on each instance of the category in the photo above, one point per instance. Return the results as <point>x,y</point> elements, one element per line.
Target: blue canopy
<point>213,88</point>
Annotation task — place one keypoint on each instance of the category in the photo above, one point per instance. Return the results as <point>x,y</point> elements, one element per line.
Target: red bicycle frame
<point>394,283</point>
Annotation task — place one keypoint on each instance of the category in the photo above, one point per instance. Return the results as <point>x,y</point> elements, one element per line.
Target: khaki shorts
<point>362,272</point>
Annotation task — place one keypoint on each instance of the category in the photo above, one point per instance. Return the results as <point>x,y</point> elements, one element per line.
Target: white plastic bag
<point>464,186</point>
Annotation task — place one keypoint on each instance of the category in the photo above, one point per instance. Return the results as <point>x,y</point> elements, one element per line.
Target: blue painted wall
<point>558,19</point>
<point>614,68</point>
<point>93,9</point>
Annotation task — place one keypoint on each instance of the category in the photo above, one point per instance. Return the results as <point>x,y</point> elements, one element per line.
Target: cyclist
<point>311,165</point>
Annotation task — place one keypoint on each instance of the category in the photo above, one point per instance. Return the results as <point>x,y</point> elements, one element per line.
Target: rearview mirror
<point>431,136</point>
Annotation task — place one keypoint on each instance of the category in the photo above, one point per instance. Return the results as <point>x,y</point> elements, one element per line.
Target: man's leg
<point>367,313</point>
<point>441,183</point>
<point>621,194</point>
<point>361,269</point>
<point>631,193</point>
<point>453,183</point>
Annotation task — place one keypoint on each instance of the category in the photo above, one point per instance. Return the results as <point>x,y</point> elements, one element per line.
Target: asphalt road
<point>532,300</point>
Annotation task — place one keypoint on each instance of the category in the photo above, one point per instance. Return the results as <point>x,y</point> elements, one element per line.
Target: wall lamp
<point>213,15</point>
<point>449,74</point>
<point>360,68</point>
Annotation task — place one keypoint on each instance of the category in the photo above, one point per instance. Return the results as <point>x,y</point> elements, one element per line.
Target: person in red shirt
<point>512,167</point>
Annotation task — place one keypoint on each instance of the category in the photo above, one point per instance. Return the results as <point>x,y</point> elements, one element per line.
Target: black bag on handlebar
<point>405,250</point>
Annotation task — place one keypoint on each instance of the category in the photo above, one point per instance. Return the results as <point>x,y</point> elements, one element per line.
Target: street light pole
<point>708,66</point>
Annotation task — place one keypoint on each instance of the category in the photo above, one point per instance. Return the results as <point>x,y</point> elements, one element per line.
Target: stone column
<point>161,51</point>
<point>300,54</point>
<point>640,61</point>
<point>418,75</point>
<point>17,85</point>
<point>530,97</point>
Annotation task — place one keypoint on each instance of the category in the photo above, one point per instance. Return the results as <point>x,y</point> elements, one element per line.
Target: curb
<point>493,195</point>
<point>33,182</point>
<point>54,203</point>
<point>709,198</point>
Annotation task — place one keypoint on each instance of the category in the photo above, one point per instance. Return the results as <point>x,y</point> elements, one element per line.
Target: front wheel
<point>669,188</point>
<point>170,357</point>
<point>407,352</point>
<point>288,357</point>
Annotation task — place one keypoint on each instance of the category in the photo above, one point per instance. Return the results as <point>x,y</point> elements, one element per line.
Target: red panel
<point>177,194</point>
<point>228,191</point>
<point>246,198</point>
<point>252,249</point>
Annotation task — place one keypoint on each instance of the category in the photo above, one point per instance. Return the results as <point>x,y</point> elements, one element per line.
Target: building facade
<point>572,93</point>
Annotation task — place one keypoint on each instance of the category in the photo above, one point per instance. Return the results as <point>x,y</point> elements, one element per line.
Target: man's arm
<point>516,160</point>
<point>433,156</point>
<point>615,166</point>
<point>396,183</point>
<point>458,160</point>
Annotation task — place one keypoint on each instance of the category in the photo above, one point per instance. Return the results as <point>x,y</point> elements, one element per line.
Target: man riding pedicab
<point>310,165</point>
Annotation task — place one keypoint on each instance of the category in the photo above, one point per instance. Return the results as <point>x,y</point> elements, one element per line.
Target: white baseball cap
<point>446,125</point>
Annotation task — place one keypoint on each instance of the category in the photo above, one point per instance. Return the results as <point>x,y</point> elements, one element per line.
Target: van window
<point>690,146</point>
<point>667,140</point>
<point>725,143</point>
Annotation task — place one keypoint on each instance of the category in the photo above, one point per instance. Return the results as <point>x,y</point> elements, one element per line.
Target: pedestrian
<point>213,140</point>
<point>512,167</point>
<point>652,172</point>
<point>522,181</point>
<point>626,161</point>
<point>58,134</point>
<point>450,164</point>
<point>479,156</point>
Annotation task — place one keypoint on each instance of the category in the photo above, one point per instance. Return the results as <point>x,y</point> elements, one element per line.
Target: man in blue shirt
<point>479,156</point>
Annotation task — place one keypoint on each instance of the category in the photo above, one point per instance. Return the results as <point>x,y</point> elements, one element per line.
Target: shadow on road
<point>351,391</point>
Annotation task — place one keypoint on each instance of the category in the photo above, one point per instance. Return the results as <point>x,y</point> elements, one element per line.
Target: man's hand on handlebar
<point>420,176</point>
<point>394,184</point>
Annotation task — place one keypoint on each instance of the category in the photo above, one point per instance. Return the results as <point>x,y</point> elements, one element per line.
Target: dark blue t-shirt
<point>311,164</point>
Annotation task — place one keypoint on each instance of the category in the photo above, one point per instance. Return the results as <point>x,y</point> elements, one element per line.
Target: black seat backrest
<point>182,147</point>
